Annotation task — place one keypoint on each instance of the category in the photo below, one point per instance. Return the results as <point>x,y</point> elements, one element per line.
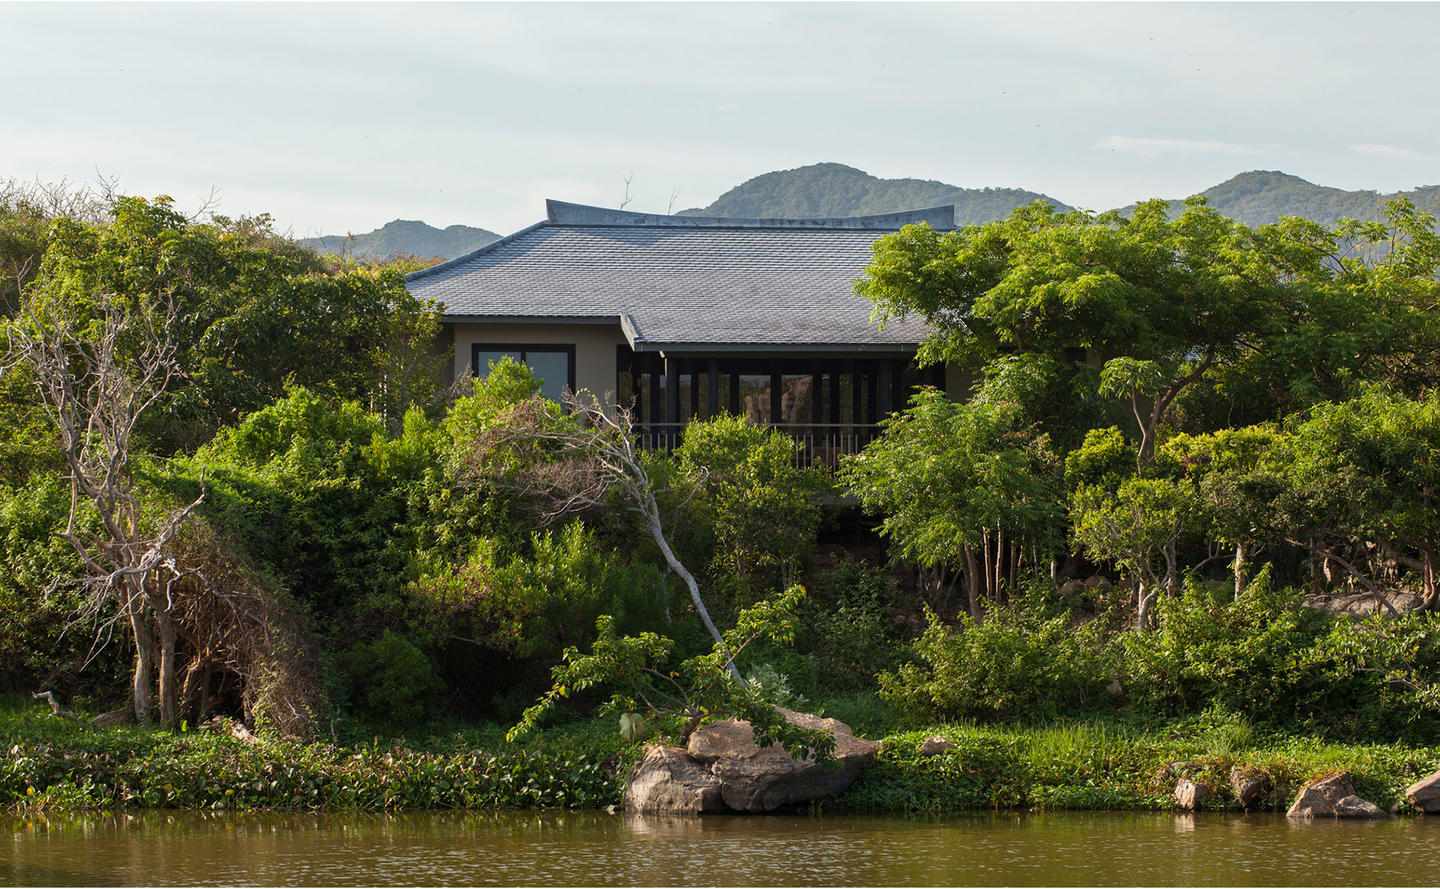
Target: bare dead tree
<point>674,196</point>
<point>97,377</point>
<point>569,458</point>
<point>628,177</point>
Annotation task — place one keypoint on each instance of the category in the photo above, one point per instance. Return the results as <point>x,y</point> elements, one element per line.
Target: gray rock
<point>1072,589</point>
<point>1190,794</point>
<point>1425,794</point>
<point>762,779</point>
<point>1251,787</point>
<point>668,780</point>
<point>723,770</point>
<point>1097,582</point>
<point>935,745</point>
<point>1332,797</point>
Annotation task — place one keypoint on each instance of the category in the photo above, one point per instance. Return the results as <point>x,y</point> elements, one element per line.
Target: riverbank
<point>59,765</point>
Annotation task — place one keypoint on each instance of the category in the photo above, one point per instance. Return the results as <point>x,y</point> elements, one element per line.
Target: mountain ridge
<point>1254,197</point>
<point>405,237</point>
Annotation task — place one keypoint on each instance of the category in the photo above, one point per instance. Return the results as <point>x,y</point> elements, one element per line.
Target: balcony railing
<point>820,443</point>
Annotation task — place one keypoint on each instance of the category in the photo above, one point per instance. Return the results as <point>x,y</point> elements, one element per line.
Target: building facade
<point>681,317</point>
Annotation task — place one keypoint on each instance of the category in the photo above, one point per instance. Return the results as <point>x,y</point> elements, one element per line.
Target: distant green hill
<point>1263,196</point>
<point>820,190</point>
<point>404,236</point>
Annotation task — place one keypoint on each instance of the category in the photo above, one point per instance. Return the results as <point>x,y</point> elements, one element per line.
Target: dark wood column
<point>886,389</point>
<point>775,399</point>
<point>835,394</point>
<point>672,390</point>
<point>694,368</point>
<point>817,402</point>
<point>712,387</point>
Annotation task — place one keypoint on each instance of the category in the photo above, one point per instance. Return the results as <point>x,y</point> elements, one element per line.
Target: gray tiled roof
<point>682,281</point>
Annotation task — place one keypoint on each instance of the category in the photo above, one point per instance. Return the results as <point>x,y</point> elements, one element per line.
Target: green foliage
<point>253,313</point>
<point>749,489</point>
<point>390,681</point>
<point>52,764</point>
<point>1019,663</point>
<point>535,604</point>
<point>1262,656</point>
<point>638,670</point>
<point>943,474</point>
<point>1114,765</point>
<point>844,635</point>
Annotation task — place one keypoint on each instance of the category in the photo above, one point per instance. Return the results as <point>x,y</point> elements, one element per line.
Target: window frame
<point>567,348</point>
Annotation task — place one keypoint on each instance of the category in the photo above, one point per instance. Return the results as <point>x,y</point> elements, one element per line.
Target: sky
<point>338,117</point>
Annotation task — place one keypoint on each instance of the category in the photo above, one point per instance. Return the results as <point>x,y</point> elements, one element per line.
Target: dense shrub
<point>1018,663</point>
<point>390,681</point>
<point>761,508</point>
<point>845,636</point>
<point>53,764</point>
<point>1284,666</point>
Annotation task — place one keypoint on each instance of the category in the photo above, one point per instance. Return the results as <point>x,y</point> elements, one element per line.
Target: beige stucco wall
<point>594,347</point>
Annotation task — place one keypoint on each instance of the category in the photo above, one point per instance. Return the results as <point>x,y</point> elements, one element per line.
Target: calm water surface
<point>183,848</point>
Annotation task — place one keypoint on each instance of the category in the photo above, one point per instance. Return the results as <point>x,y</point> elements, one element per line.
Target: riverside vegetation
<point>231,494</point>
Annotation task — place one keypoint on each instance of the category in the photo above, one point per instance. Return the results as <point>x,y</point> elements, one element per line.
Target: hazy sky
<point>339,117</point>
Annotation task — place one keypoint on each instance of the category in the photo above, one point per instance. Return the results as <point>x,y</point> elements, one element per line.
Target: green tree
<point>961,485</point>
<point>763,509</point>
<point>1159,301</point>
<point>1368,470</point>
<point>253,313</point>
<point>1135,520</point>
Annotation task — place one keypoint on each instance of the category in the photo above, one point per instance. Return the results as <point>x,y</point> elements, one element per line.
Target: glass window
<point>552,369</point>
<point>797,392</point>
<point>552,365</point>
<point>485,359</point>
<point>755,397</point>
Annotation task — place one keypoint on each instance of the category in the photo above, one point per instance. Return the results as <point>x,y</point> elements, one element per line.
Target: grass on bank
<point>58,765</point>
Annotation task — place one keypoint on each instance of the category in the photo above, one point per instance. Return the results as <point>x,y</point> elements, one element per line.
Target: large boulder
<point>668,780</point>
<point>1189,794</point>
<point>1332,797</point>
<point>723,769</point>
<point>1251,786</point>
<point>1425,794</point>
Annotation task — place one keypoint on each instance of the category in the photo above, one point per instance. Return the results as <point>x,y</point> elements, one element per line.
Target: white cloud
<point>1151,147</point>
<point>1391,152</point>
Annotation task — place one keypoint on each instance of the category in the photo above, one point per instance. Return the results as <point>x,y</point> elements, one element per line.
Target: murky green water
<point>596,849</point>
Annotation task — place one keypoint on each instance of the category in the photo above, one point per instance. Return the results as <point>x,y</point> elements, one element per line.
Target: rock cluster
<point>1425,794</point>
<point>1332,797</point>
<point>1250,787</point>
<point>723,770</point>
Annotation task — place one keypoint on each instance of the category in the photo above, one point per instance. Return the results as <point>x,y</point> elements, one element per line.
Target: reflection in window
<point>796,394</point>
<point>754,390</point>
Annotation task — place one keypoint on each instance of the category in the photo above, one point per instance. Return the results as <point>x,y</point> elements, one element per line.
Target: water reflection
<point>487,848</point>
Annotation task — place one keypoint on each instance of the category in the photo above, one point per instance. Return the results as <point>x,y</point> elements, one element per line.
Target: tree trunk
<point>1240,570</point>
<point>974,586</point>
<point>1428,598</point>
<point>168,690</point>
<point>140,630</point>
<point>652,523</point>
<point>1144,602</point>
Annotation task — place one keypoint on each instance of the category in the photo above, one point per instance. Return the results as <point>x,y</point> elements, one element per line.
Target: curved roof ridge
<point>466,257</point>
<point>566,213</point>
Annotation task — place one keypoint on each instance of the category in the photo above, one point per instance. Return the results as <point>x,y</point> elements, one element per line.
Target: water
<point>1099,849</point>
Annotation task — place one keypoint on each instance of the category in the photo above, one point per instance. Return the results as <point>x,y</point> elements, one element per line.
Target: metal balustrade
<point>820,443</point>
